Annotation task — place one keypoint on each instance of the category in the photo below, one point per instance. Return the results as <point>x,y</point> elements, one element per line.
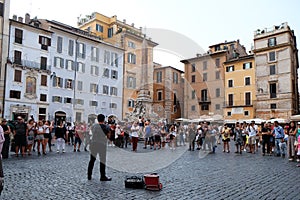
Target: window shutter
<point>61,62</point>
<point>65,100</point>
<point>60,99</point>
<point>128,81</point>
<point>66,83</point>
<point>244,65</point>
<point>91,87</point>
<point>97,55</point>
<point>83,67</point>
<point>97,71</point>
<point>77,49</point>
<point>134,83</point>
<point>49,42</point>
<point>83,53</point>
<point>97,88</point>
<point>73,84</point>
<point>71,47</point>
<point>55,61</point>
<point>73,65</point>
<point>54,82</point>
<point>53,98</point>
<point>251,65</point>
<point>40,39</point>
<point>61,82</point>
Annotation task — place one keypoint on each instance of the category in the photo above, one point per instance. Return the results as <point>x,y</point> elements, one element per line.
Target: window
<point>18,76</point>
<point>113,105</point>
<point>218,92</point>
<point>107,57</point>
<point>113,91</point>
<point>110,32</point>
<point>57,99</point>
<point>230,99</point>
<point>114,60</point>
<point>193,94</point>
<point>105,89</point>
<point>71,48</point>
<point>272,56</point>
<point>217,48</point>
<point>59,44</point>
<point>131,44</point>
<point>271,42</point>
<point>45,42</point>
<point>15,94</point>
<point>247,98</point>
<point>43,63</point>
<point>193,78</point>
<point>58,62</point>
<point>70,65</point>
<point>58,82</point>
<point>228,114</point>
<point>273,106</point>
<point>272,70</point>
<point>79,101</point>
<point>18,57</point>
<point>217,62</point>
<point>81,50</point>
<point>230,83</point>
<point>175,77</point>
<point>193,67</point>
<point>247,81</point>
<point>159,95</point>
<point>131,82</point>
<point>78,116</point>
<point>114,74</point>
<point>43,97</point>
<point>193,108</point>
<point>93,88</point>
<point>79,85</point>
<point>246,113</point>
<point>204,107</point>
<point>230,68</point>
<point>94,70</point>
<point>106,72</point>
<point>99,28</point>
<point>204,95</point>
<point>204,76</point>
<point>131,58</point>
<point>204,65</point>
<point>273,90</point>
<point>1,9</point>
<point>159,77</point>
<point>247,65</point>
<point>218,106</point>
<point>80,67</point>
<point>42,113</point>
<point>93,103</point>
<point>130,103</point>
<point>217,75</point>
<point>43,80</point>
<point>67,100</point>
<point>95,54</point>
<point>18,36</point>
<point>103,104</point>
<point>69,84</point>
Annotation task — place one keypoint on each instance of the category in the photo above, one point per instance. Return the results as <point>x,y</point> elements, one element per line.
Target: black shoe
<point>78,150</point>
<point>74,150</point>
<point>105,178</point>
<point>89,177</point>
<point>85,149</point>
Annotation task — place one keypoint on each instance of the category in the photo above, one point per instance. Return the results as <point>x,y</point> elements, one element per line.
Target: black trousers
<point>97,149</point>
<point>5,149</point>
<point>266,141</point>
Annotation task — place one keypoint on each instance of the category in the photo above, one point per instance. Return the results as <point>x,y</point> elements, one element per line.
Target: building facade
<point>240,88</point>
<point>276,58</point>
<point>61,73</point>
<point>138,55</point>
<point>204,79</point>
<point>168,92</point>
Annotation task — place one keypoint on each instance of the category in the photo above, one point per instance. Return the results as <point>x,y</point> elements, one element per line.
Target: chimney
<point>124,21</point>
<point>238,41</point>
<point>27,18</point>
<point>132,24</point>
<point>20,19</point>
<point>15,17</point>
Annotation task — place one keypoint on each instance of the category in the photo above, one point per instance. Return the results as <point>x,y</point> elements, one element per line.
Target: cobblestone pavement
<point>190,175</point>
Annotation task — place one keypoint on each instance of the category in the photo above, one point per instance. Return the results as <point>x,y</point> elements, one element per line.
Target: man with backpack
<point>20,133</point>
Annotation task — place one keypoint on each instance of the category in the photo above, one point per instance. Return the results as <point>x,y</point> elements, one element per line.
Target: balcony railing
<point>30,64</point>
<point>204,100</point>
<point>238,103</point>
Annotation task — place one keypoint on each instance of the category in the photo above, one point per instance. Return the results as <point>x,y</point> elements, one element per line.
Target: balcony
<point>204,100</point>
<point>231,104</point>
<point>29,64</point>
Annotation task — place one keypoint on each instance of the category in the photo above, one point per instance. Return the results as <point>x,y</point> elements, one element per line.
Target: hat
<point>19,117</point>
<point>4,120</point>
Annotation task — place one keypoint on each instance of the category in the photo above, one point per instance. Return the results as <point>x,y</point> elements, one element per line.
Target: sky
<point>190,26</point>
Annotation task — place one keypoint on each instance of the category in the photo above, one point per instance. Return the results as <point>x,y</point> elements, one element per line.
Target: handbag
<point>295,143</point>
<point>134,182</point>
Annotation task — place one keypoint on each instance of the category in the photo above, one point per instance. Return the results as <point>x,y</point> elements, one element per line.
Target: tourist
<point>291,140</point>
<point>100,132</point>
<point>181,135</point>
<point>226,131</point>
<point>252,132</point>
<point>31,126</point>
<point>238,138</point>
<point>20,133</point>
<point>134,135</point>
<point>7,131</point>
<point>191,136</point>
<point>40,131</point>
<point>278,133</point>
<point>172,136</point>
<point>156,135</point>
<point>266,133</point>
<point>119,136</point>
<point>70,133</point>
<point>79,129</point>
<point>47,135</point>
<point>147,132</point>
<point>60,136</point>
<point>163,135</point>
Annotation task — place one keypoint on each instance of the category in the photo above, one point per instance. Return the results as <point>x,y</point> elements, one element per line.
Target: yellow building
<point>240,88</point>
<point>138,57</point>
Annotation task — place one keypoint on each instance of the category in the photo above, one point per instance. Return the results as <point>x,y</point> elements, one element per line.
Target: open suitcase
<point>134,182</point>
<point>152,182</point>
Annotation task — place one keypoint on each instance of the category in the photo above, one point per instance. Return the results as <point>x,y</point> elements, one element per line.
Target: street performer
<point>100,132</point>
